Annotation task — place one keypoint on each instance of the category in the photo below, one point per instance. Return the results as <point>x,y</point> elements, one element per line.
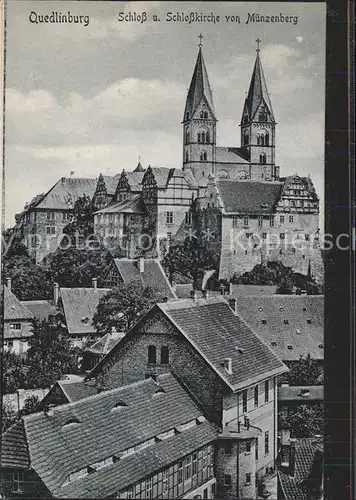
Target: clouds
<point>92,99</point>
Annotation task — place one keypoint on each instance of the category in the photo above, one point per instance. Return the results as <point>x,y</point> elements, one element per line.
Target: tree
<point>286,286</point>
<point>32,404</point>
<point>76,267</point>
<point>8,415</point>
<point>305,371</point>
<point>50,354</point>
<point>123,306</point>
<point>82,223</point>
<point>191,259</point>
<point>14,374</point>
<point>12,243</point>
<point>303,421</point>
<point>29,281</point>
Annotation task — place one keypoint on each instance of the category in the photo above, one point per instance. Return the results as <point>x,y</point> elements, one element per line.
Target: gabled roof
<point>14,450</point>
<point>308,466</point>
<point>139,168</point>
<point>79,307</point>
<point>13,308</point>
<point>71,437</point>
<point>152,276</point>
<point>251,290</point>
<point>199,87</point>
<point>133,206</point>
<point>75,391</point>
<point>226,154</point>
<point>64,194</point>
<point>106,343</point>
<point>249,197</point>
<point>41,309</point>
<point>135,180</point>
<point>302,337</point>
<point>308,183</point>
<point>217,333</point>
<point>258,92</point>
<point>111,183</point>
<point>300,393</point>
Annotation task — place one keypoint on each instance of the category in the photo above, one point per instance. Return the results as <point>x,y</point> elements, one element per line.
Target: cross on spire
<point>258,45</point>
<point>200,36</point>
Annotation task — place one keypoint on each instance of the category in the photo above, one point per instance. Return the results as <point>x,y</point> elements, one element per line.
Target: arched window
<point>246,138</point>
<point>187,135</point>
<point>187,116</point>
<point>263,158</point>
<point>258,140</point>
<point>152,354</point>
<point>199,137</point>
<point>262,140</point>
<point>186,156</point>
<point>267,139</point>
<point>205,114</point>
<point>164,355</point>
<point>245,119</point>
<point>207,137</point>
<point>201,114</point>
<point>203,156</point>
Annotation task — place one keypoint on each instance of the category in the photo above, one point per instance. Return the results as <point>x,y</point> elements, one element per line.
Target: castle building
<point>243,202</point>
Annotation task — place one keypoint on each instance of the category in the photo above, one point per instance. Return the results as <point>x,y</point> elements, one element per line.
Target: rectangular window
<point>188,468</point>
<point>271,221</point>
<point>256,395</point>
<point>281,219</point>
<point>149,484</point>
<point>266,391</point>
<point>248,478</point>
<point>15,326</point>
<point>248,446</point>
<point>227,480</point>
<point>266,443</point>
<point>195,464</point>
<point>228,448</point>
<point>165,481</point>
<point>205,493</point>
<point>256,449</point>
<point>130,493</point>
<point>188,218</point>
<point>50,215</point>
<point>292,203</point>
<point>180,473</point>
<point>281,236</point>
<point>235,221</point>
<point>260,221</point>
<point>244,401</point>
<point>246,220</point>
<point>307,237</point>
<point>264,236</point>
<point>169,217</point>
<point>17,482</point>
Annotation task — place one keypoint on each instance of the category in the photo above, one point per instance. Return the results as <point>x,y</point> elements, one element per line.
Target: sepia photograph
<point>163,248</point>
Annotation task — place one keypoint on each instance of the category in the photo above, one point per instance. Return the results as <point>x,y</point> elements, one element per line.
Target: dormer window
<point>264,322</point>
<point>286,321</point>
<point>120,404</point>
<point>290,347</point>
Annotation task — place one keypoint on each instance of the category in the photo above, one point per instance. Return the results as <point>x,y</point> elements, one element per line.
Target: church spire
<point>258,93</point>
<point>199,87</point>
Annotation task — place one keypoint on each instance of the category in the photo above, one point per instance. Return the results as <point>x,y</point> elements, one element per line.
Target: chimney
<point>292,457</point>
<point>55,294</point>
<point>8,283</point>
<point>228,365</point>
<point>230,288</point>
<point>285,437</point>
<point>94,283</point>
<point>142,265</point>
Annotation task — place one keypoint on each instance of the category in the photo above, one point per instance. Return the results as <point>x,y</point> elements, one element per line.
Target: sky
<point>91,99</point>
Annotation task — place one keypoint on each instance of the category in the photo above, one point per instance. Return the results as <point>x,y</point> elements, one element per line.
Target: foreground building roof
<point>41,309</point>
<point>13,308</point>
<point>216,333</point>
<point>64,194</point>
<point>104,443</point>
<point>292,325</point>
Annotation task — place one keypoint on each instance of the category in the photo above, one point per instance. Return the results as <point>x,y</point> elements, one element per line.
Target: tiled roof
<point>230,155</point>
<point>217,333</point>
<point>133,206</point>
<point>161,175</point>
<point>13,308</point>
<point>74,436</point>
<point>307,452</point>
<point>75,391</point>
<point>300,393</point>
<point>79,307</point>
<point>250,197</point>
<point>64,194</point>
<point>135,180</point>
<point>111,183</point>
<point>106,343</point>
<point>199,87</point>
<point>14,451</point>
<point>41,309</point>
<point>251,290</point>
<point>287,320</point>
<point>153,274</point>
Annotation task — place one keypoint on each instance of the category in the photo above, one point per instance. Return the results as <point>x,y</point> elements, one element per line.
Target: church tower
<point>258,127</point>
<point>199,124</point>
